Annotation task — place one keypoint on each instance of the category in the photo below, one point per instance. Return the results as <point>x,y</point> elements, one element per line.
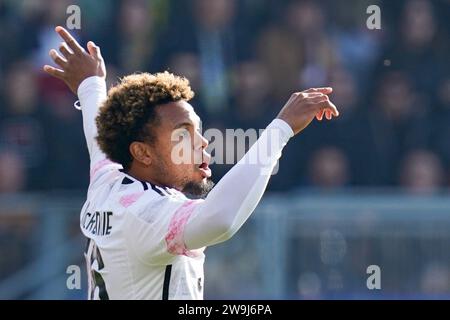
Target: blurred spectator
<point>48,16</point>
<point>358,47</point>
<point>68,159</point>
<point>22,124</point>
<point>444,94</point>
<point>306,19</point>
<point>399,121</point>
<point>12,173</point>
<point>345,91</point>
<point>244,59</point>
<point>209,33</point>
<point>421,172</point>
<point>435,279</point>
<point>328,168</point>
<point>418,25</point>
<point>253,105</point>
<point>417,49</point>
<point>282,54</point>
<point>187,64</point>
<point>134,42</point>
<point>351,132</point>
<point>215,44</point>
<point>298,51</point>
<point>441,120</point>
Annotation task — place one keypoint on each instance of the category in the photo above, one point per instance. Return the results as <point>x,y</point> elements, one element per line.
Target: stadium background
<point>368,188</point>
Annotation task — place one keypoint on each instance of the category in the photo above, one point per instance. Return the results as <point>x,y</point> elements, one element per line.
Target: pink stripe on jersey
<point>174,238</point>
<point>129,199</point>
<point>98,166</point>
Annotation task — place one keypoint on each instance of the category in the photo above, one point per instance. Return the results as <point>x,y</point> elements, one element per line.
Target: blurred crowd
<point>244,58</point>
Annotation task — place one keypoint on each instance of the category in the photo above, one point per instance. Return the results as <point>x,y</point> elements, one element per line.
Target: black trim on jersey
<point>155,188</point>
<point>99,281</point>
<point>86,248</point>
<point>165,293</point>
<point>167,190</point>
<point>127,180</point>
<point>144,185</point>
<point>96,279</point>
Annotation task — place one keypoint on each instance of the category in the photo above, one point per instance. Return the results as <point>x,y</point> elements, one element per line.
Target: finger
<point>71,42</point>
<point>57,58</point>
<point>324,90</point>
<point>334,110</point>
<point>307,94</point>
<point>314,94</point>
<point>94,50</point>
<point>318,98</point>
<point>66,52</point>
<point>57,73</point>
<point>327,105</point>
<point>328,114</point>
<point>319,115</point>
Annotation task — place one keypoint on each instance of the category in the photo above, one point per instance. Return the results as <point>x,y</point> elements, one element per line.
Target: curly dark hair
<point>128,114</point>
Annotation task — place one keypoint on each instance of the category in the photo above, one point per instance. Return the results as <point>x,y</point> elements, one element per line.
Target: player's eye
<point>183,133</point>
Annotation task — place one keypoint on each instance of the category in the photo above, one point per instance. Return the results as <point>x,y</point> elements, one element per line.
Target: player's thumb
<point>94,50</point>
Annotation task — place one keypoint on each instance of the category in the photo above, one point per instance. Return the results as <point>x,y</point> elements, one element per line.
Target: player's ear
<point>141,153</point>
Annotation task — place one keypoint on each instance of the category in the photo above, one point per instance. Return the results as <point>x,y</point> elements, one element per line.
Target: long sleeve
<point>92,93</point>
<point>236,195</point>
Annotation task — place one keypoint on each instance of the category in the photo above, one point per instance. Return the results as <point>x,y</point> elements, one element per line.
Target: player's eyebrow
<point>183,124</point>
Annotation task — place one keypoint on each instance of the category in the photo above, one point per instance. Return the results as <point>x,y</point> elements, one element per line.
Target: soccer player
<point>146,238</point>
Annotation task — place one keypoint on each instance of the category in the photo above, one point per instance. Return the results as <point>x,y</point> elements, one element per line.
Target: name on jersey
<point>97,222</point>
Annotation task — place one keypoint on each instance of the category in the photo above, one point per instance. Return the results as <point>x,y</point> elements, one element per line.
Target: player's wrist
<point>285,125</point>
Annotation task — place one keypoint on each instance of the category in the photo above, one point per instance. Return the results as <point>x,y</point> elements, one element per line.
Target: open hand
<point>76,63</point>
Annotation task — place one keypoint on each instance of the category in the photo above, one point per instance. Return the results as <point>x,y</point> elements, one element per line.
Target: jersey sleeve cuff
<point>90,82</point>
<point>284,128</point>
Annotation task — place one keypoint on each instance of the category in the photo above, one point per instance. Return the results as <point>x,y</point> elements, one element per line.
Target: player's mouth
<point>205,170</point>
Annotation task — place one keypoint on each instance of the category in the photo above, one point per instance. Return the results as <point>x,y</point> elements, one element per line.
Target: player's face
<point>180,148</point>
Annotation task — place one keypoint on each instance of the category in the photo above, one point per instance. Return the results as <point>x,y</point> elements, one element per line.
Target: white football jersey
<point>139,234</point>
<point>131,227</point>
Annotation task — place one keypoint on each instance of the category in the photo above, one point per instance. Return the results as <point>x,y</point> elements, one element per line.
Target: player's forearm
<point>237,194</point>
<point>91,93</point>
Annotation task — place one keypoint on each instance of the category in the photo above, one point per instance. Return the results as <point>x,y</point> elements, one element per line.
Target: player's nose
<point>205,142</point>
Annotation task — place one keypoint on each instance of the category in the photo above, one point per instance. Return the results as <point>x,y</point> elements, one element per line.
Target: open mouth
<point>205,170</point>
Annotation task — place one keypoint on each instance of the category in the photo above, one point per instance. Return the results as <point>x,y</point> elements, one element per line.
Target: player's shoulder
<point>136,196</point>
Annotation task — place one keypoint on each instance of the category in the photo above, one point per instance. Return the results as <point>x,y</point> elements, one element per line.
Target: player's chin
<point>200,178</point>
<point>199,186</point>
